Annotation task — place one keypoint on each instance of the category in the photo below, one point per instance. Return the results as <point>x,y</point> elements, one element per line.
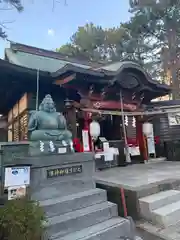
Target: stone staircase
<point>85,215</point>
<point>75,208</point>
<point>162,209</point>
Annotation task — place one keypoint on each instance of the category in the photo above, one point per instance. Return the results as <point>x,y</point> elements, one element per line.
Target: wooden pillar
<point>87,120</point>
<point>18,120</point>
<point>141,138</point>
<point>117,128</point>
<point>71,120</point>
<point>12,123</point>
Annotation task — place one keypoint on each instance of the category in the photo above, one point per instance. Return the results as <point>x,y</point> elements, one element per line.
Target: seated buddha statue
<point>47,124</point>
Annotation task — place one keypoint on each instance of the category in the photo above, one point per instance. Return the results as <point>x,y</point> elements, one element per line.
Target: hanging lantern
<point>68,103</point>
<point>147,128</point>
<point>94,129</point>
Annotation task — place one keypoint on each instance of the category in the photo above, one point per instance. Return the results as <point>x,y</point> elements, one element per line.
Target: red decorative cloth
<point>77,145</point>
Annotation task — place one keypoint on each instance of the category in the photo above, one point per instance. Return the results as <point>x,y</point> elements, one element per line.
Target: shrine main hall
<point>81,90</point>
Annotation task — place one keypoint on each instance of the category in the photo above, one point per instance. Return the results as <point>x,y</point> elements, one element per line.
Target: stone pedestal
<point>59,175</point>
<point>75,209</point>
<point>10,150</point>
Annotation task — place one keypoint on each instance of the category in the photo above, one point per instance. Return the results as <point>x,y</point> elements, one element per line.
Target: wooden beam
<point>65,80</point>
<point>118,113</point>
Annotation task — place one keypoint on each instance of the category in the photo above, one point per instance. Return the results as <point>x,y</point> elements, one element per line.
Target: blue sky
<point>43,26</point>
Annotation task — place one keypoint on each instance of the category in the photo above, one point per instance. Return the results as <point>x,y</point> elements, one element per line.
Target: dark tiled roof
<point>53,54</point>
<point>56,66</point>
<point>165,103</point>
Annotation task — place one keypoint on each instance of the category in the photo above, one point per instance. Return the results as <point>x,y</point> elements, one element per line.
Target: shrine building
<point>79,88</point>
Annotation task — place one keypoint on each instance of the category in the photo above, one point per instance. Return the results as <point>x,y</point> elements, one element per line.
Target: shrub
<point>21,219</point>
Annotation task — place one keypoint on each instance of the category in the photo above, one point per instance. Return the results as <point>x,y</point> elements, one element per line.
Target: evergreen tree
<point>87,42</point>
<point>114,44</point>
<point>163,25</point>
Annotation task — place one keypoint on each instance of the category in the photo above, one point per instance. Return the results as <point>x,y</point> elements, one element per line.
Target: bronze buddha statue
<point>47,124</point>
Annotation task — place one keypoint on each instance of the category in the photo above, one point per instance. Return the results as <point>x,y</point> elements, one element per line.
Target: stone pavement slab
<point>169,233</point>
<point>140,175</point>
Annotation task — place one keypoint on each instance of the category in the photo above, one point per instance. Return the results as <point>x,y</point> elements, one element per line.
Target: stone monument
<point>48,130</point>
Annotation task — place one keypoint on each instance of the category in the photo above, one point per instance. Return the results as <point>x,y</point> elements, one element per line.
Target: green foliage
<point>92,42</point>
<point>85,43</point>
<point>21,219</point>
<point>159,17</point>
<point>67,49</point>
<point>153,26</point>
<point>161,23</point>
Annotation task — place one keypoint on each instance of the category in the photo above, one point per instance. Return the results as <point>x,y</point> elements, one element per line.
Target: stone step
<point>167,215</point>
<point>110,229</point>
<point>56,189</point>
<point>61,205</point>
<point>82,218</point>
<point>156,160</point>
<point>155,201</point>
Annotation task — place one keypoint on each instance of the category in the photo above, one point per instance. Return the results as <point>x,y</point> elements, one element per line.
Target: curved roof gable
<point>50,62</point>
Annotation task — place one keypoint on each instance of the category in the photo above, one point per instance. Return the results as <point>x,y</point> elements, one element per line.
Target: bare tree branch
<point>4,6</point>
<point>5,9</point>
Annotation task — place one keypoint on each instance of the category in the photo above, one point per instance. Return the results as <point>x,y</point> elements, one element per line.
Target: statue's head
<point>47,104</point>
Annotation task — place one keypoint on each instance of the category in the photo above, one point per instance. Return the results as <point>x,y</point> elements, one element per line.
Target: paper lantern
<point>147,128</point>
<point>94,129</point>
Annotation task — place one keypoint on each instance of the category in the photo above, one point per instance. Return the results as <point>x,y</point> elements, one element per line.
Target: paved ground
<point>135,176</point>
<point>139,176</point>
<point>147,236</point>
<point>170,233</point>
